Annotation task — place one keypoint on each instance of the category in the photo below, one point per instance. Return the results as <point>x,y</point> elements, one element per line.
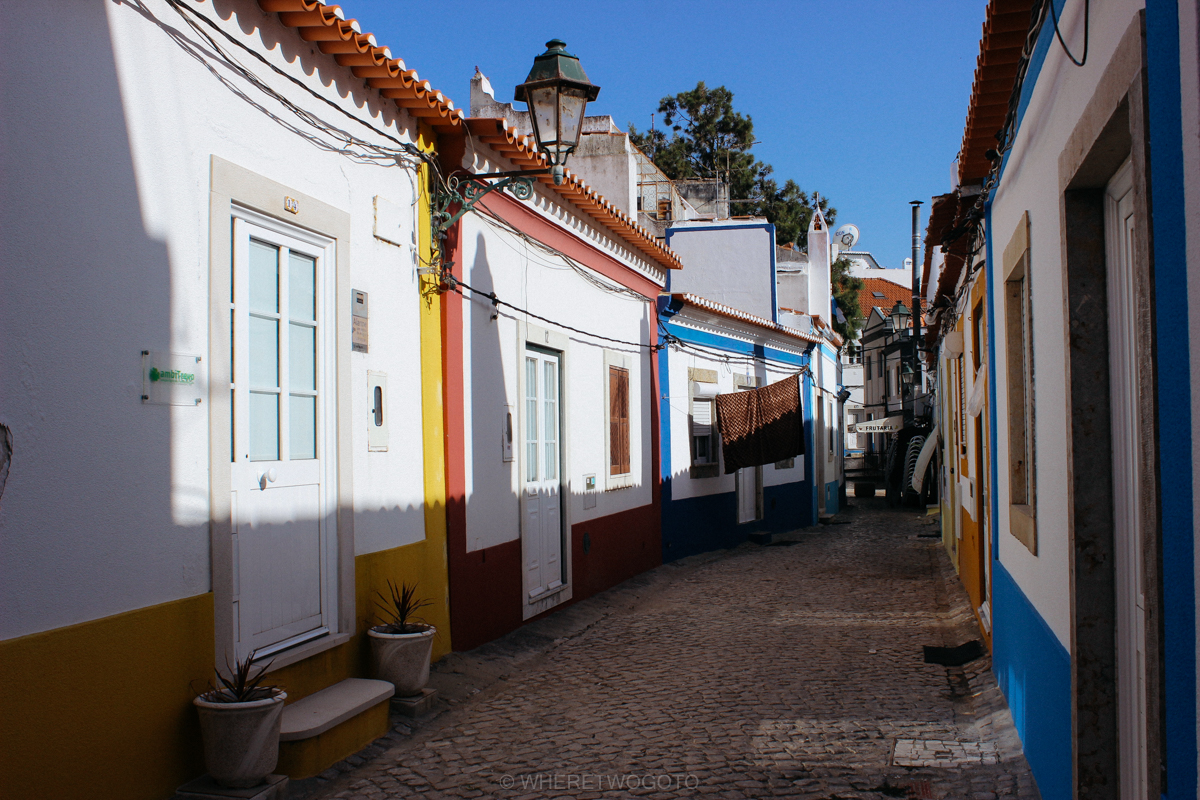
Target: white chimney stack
<point>819,267</point>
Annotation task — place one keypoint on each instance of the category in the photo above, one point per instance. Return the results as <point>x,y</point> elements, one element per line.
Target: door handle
<point>266,477</point>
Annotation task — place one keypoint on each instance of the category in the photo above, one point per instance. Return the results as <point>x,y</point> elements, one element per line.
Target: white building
<point>212,373</point>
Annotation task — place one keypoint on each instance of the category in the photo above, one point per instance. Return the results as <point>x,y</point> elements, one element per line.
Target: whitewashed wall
<point>497,260</point>
<point>682,484</point>
<point>105,253</point>
<point>727,262</point>
<point>1058,100</point>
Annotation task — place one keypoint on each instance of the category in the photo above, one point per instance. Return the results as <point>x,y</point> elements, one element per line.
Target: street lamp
<point>557,91</point>
<point>899,318</point>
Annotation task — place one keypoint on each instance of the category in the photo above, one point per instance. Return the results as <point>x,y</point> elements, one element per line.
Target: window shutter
<point>702,417</point>
<point>618,420</point>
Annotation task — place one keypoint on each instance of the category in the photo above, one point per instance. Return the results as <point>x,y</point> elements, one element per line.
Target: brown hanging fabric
<point>761,426</point>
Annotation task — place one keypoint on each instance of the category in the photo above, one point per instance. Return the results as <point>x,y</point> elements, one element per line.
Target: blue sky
<point>861,100</point>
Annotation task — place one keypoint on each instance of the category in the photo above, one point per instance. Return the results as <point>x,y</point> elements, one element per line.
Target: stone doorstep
<point>317,713</point>
<point>205,788</point>
<point>416,706</point>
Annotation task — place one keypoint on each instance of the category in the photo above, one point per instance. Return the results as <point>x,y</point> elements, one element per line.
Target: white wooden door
<point>541,507</point>
<point>279,450</point>
<point>819,455</point>
<point>749,484</point>
<point>1127,533</point>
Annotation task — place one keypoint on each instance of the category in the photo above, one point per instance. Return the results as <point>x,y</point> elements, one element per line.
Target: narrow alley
<point>426,400</point>
<point>789,670</point>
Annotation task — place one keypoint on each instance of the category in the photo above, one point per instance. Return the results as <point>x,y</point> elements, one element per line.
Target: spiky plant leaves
<point>243,684</point>
<point>399,609</point>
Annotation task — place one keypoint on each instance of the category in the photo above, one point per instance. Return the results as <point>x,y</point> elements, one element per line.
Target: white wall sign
<point>171,379</point>
<point>889,425</point>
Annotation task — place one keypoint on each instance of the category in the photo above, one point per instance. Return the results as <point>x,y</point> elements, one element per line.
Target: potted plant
<point>402,644</point>
<point>239,722</point>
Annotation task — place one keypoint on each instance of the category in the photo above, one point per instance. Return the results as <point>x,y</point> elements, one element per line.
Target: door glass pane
<point>264,353</point>
<point>264,277</point>
<point>303,422</point>
<point>302,360</point>
<point>264,426</point>
<point>531,431</point>
<point>550,370</point>
<point>302,287</point>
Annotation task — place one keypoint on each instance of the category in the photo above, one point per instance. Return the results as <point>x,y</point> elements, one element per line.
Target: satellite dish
<point>847,235</point>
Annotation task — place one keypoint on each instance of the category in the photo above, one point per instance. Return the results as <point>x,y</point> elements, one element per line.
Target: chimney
<point>820,295</point>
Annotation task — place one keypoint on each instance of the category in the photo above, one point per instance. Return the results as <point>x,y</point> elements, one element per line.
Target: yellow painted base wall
<point>307,757</point>
<point>103,709</point>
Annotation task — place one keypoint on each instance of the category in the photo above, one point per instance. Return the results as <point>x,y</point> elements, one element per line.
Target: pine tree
<point>709,139</point>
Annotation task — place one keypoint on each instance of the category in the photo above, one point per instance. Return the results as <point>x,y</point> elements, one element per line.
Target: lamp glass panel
<point>571,102</point>
<point>543,109</point>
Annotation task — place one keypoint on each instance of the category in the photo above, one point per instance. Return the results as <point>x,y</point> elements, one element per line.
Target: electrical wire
<point>405,154</point>
<point>1079,62</point>
<point>668,339</point>
<point>456,285</point>
<point>972,221</point>
<point>498,222</point>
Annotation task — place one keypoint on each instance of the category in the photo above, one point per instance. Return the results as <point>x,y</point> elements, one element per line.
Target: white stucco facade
<point>107,506</point>
<point>1057,102</point>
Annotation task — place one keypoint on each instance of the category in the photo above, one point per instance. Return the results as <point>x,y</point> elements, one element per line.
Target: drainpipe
<point>916,307</point>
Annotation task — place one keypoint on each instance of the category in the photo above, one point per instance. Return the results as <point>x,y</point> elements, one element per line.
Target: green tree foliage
<point>709,139</point>
<point>845,291</point>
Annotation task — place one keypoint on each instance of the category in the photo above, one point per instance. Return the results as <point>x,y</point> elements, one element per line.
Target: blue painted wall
<point>1034,672</point>
<point>832,494</point>
<point>1031,665</point>
<point>1174,395</point>
<point>699,524</point>
<point>709,522</point>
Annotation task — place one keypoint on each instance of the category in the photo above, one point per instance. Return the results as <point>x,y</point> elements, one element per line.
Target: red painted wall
<point>486,585</point>
<point>621,545</point>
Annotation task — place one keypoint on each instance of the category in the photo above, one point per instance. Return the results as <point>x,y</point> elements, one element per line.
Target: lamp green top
<point>556,65</point>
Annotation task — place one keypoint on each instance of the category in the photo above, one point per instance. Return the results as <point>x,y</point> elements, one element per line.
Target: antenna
<point>847,235</point>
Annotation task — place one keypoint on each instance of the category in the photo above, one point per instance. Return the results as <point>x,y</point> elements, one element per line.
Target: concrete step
<point>319,712</point>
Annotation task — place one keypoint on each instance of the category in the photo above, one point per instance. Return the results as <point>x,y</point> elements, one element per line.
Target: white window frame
<point>705,392</point>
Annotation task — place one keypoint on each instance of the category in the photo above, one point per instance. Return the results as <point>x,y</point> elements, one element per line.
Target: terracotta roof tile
<point>891,293</point>
<point>334,35</point>
<point>729,312</point>
<point>326,26</point>
<point>1004,32</point>
<point>498,135</point>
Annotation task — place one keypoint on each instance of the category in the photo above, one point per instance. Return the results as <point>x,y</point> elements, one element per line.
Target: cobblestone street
<point>790,670</point>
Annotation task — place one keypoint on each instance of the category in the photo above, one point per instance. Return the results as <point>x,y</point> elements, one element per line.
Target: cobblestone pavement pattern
<point>765,671</point>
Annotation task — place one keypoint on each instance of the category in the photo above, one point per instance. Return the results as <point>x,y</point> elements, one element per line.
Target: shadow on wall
<point>87,525</point>
<point>487,583</point>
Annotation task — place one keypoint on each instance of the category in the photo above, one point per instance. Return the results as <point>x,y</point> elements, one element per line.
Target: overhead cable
<point>457,285</point>
<point>405,152</point>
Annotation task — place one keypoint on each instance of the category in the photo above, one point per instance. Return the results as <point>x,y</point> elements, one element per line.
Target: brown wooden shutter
<point>618,420</point>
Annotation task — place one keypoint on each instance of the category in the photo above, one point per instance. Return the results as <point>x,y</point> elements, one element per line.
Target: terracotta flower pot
<point>402,659</point>
<point>241,740</point>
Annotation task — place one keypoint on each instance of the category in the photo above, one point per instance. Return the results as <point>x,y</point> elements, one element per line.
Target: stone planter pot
<point>241,740</point>
<point>402,659</point>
